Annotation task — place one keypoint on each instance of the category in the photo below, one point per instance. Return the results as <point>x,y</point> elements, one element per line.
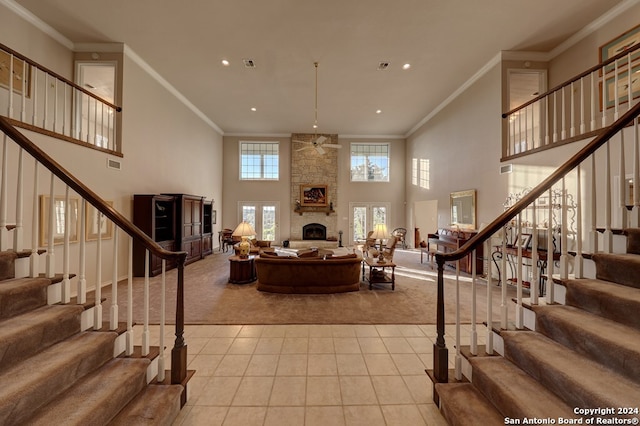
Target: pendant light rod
<point>315,124</point>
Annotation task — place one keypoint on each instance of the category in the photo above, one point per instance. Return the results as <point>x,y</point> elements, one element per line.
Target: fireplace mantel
<point>306,209</point>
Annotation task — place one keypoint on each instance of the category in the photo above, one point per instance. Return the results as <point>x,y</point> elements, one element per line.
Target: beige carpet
<point>210,299</point>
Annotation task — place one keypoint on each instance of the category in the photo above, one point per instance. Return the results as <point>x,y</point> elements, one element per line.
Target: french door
<point>264,216</point>
<point>364,217</point>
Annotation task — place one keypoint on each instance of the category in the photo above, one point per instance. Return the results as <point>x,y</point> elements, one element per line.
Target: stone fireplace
<point>309,167</point>
<point>314,231</point>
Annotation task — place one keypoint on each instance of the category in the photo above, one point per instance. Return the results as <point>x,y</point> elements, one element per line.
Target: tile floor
<point>310,375</point>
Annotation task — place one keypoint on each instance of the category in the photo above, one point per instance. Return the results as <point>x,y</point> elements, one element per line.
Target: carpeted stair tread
<point>103,394</point>
<point>589,334</point>
<point>21,295</point>
<point>27,334</point>
<point>616,302</point>
<point>516,394</point>
<point>156,405</point>
<point>463,405</point>
<point>39,379</point>
<point>620,268</point>
<point>579,381</point>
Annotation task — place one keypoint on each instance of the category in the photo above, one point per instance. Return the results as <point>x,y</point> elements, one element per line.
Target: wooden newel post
<point>179,351</point>
<point>440,351</point>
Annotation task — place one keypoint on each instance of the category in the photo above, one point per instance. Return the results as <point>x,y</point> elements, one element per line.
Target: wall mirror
<point>463,208</point>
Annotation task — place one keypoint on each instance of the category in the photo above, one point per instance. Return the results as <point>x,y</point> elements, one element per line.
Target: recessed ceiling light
<point>378,111</point>
<point>254,109</point>
<point>406,66</point>
<point>225,62</point>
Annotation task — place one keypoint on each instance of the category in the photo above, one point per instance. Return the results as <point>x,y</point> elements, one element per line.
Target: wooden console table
<point>242,270</point>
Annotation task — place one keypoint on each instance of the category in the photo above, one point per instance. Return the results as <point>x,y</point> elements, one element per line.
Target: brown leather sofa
<point>255,247</point>
<point>290,274</point>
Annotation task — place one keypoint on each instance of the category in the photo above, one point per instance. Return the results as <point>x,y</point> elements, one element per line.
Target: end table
<point>242,270</point>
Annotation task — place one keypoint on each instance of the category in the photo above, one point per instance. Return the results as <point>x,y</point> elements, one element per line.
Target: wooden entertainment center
<point>177,222</point>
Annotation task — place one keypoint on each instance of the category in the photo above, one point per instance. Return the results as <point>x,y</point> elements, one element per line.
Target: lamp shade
<point>244,230</point>
<point>380,232</point>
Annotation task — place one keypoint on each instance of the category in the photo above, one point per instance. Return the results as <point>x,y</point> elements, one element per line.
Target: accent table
<point>242,270</point>
<point>377,273</point>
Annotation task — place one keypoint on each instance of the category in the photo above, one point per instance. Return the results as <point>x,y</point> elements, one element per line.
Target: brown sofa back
<point>308,275</point>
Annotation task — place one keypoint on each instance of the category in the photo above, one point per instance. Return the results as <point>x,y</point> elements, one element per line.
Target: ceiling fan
<point>318,142</point>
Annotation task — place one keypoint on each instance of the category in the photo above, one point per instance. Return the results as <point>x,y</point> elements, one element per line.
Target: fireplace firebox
<point>314,231</point>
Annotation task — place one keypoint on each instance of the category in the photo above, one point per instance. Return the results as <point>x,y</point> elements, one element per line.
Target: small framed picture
<point>523,241</point>
<point>214,217</point>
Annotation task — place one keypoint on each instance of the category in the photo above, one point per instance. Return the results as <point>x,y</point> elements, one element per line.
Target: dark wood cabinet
<point>207,227</point>
<point>155,215</point>
<point>189,225</point>
<point>447,240</point>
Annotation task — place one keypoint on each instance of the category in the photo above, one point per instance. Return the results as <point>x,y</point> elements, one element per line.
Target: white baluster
<point>535,275</point>
<point>145,331</point>
<point>555,116</point>
<point>504,309</point>
<point>98,308</point>
<point>622,187</point>
<point>564,230</point>
<point>489,336</point>
<point>18,231</point>
<point>82,278</point>
<point>564,115</point>
<point>594,206</point>
<point>594,102</point>
<point>550,250</point>
<point>51,264</point>
<point>34,115</point>
<point>519,280</point>
<point>10,78</point>
<point>114,283</point>
<point>161,358</point>
<point>604,97</point>
<point>582,97</point>
<point>636,170</point>
<point>629,83</point>
<point>458,357</point>
<point>546,121</point>
<point>55,105</point>
<point>474,331</point>
<point>572,131</point>
<point>3,195</point>
<point>66,283</point>
<point>608,234</point>
<point>130,334</point>
<point>23,93</point>
<point>45,116</point>
<point>34,259</point>
<point>579,261</point>
<point>616,95</point>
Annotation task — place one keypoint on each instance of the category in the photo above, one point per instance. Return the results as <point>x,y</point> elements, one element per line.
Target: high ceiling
<point>445,41</point>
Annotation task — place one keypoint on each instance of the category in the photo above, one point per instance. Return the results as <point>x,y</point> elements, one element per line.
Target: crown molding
<point>258,135</point>
<point>38,23</point>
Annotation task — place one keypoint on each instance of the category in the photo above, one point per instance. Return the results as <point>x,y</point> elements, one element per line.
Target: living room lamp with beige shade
<point>244,230</point>
<point>380,233</point>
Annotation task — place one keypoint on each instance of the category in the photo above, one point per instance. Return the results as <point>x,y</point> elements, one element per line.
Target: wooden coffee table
<point>377,273</point>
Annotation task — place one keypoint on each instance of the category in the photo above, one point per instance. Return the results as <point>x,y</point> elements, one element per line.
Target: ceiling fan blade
<point>304,148</point>
<point>319,149</point>
<point>331,145</point>
<point>297,141</point>
<point>321,139</point>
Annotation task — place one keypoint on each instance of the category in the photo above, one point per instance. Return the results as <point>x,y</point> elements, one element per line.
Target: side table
<point>242,271</point>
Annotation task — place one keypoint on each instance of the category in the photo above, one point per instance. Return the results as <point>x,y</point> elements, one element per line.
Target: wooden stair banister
<point>179,354</point>
<point>440,350</point>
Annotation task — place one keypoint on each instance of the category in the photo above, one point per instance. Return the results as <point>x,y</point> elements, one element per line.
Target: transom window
<point>259,160</point>
<point>370,162</point>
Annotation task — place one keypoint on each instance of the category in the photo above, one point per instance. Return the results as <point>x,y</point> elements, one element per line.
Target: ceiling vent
<point>248,63</point>
<point>113,164</point>
<point>506,168</point>
<point>383,66</point>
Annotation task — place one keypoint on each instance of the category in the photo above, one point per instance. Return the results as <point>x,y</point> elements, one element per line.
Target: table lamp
<point>380,233</point>
<point>244,230</point>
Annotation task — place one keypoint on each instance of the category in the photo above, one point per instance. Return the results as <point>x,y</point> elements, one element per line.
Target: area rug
<point>210,299</point>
